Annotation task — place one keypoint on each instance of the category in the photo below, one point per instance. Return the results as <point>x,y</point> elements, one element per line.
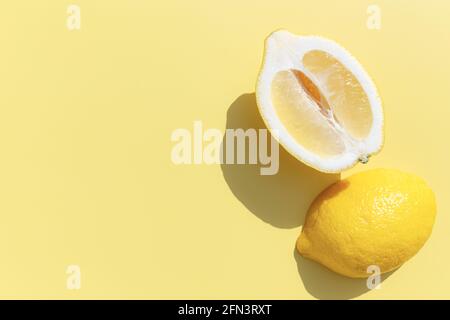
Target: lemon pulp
<point>327,112</point>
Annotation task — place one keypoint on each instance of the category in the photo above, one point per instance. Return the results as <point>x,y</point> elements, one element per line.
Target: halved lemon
<point>318,102</point>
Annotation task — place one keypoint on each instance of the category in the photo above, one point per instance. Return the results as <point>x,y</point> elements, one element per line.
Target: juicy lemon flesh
<point>379,217</point>
<point>326,115</point>
<point>302,117</point>
<point>345,94</point>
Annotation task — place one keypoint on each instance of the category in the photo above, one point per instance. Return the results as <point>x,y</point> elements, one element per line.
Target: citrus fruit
<point>318,102</point>
<point>380,217</point>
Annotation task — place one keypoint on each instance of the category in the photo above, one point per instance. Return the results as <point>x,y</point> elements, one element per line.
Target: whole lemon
<point>379,217</point>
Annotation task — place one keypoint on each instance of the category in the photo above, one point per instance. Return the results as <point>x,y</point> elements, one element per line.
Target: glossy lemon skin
<point>379,217</point>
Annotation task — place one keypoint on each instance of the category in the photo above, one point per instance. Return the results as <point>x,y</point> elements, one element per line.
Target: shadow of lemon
<point>281,199</point>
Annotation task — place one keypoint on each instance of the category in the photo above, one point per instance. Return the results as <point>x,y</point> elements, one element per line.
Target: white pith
<point>284,51</point>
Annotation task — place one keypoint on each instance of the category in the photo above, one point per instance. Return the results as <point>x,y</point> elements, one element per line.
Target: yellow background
<point>85,171</point>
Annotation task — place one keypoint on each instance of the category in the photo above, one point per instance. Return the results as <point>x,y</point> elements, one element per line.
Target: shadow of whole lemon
<point>380,217</point>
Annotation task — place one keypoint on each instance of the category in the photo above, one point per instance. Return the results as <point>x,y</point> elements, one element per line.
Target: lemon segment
<point>292,103</point>
<point>379,217</point>
<point>346,97</point>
